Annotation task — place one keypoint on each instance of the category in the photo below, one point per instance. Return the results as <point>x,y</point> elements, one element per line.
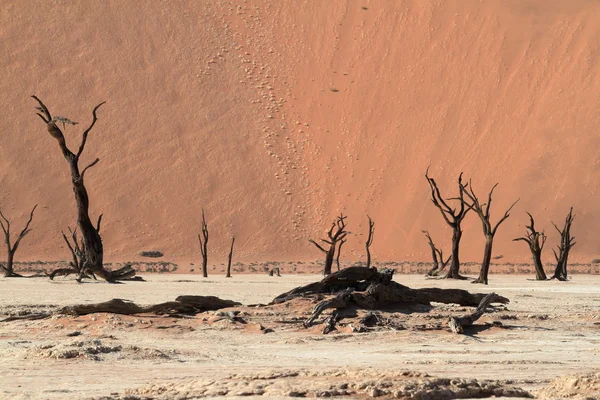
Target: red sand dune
<point>276,115</point>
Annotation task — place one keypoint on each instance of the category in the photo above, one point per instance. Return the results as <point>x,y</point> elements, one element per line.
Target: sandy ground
<point>550,329</point>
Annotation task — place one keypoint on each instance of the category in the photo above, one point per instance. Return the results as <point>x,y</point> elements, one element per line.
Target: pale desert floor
<point>549,329</point>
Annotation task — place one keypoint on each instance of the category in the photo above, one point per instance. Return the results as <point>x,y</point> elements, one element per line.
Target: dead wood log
<point>183,305</point>
<point>275,272</point>
<point>233,316</point>
<point>331,322</point>
<point>457,324</point>
<point>11,248</point>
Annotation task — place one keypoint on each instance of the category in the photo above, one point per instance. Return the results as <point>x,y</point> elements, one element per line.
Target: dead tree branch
<point>458,325</point>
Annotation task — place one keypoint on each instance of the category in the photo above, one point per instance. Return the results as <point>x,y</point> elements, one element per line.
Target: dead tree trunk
<point>369,241</point>
<point>453,219</point>
<point>339,252</point>
<point>229,258</point>
<point>339,226</point>
<point>489,231</point>
<point>203,239</point>
<point>90,236</point>
<point>11,249</point>
<point>536,241</point>
<point>437,255</point>
<point>566,244</point>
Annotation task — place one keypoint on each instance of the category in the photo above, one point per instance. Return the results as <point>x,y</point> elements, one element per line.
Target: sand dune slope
<point>276,116</point>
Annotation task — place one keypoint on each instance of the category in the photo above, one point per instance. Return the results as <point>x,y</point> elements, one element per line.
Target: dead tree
<point>437,255</point>
<point>489,231</point>
<point>339,252</point>
<point>229,258</point>
<point>336,233</point>
<point>453,218</point>
<point>203,239</point>
<point>368,289</point>
<point>369,241</point>
<point>11,249</point>
<point>536,241</point>
<point>566,244</point>
<point>93,251</point>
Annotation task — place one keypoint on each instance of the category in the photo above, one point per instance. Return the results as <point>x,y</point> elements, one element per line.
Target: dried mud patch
<point>337,383</point>
<point>580,386</point>
<point>95,350</point>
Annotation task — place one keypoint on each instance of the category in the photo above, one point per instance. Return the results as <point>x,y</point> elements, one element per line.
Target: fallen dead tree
<point>366,288</point>
<point>375,290</point>
<point>183,305</point>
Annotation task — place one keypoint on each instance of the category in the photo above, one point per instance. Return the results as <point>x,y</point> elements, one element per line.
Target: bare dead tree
<point>93,251</point>
<point>369,241</point>
<point>336,233</point>
<point>339,252</point>
<point>566,244</point>
<point>11,249</point>
<point>489,231</point>
<point>229,258</point>
<point>203,239</point>
<point>536,241</point>
<point>437,255</point>
<point>453,218</point>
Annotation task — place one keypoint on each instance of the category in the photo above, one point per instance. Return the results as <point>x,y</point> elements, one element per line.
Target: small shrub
<point>151,253</point>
